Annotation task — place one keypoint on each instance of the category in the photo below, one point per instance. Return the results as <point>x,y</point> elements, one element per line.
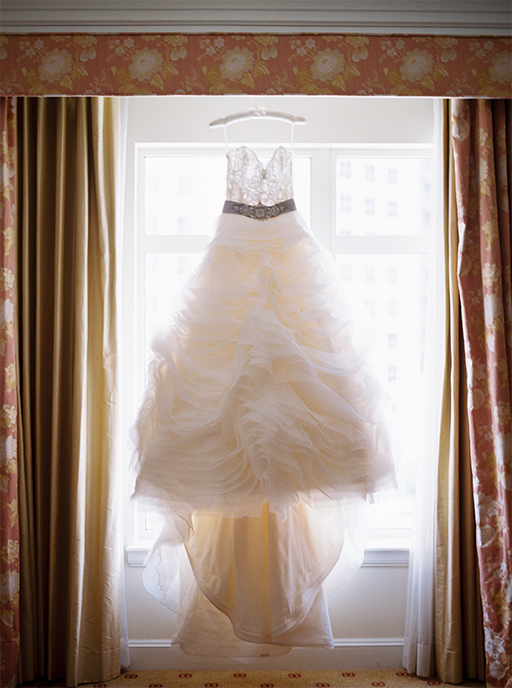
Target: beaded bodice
<point>254,184</point>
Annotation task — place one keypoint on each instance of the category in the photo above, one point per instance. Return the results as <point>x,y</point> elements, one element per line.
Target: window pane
<point>387,297</point>
<point>382,196</point>
<point>183,195</point>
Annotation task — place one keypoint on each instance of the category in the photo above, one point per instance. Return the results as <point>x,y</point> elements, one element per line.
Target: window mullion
<point>321,181</point>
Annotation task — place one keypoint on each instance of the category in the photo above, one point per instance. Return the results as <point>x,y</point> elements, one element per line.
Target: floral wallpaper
<point>138,64</point>
<point>481,146</point>
<point>9,531</point>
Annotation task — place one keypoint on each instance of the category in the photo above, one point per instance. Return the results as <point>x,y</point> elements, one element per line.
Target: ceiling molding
<point>473,17</point>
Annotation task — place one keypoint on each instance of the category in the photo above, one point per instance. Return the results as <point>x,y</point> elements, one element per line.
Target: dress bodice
<point>251,182</point>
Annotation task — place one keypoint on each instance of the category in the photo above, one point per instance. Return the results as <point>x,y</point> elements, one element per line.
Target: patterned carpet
<point>360,678</point>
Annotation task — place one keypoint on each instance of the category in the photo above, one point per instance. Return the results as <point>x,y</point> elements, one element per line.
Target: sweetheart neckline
<point>255,155</point>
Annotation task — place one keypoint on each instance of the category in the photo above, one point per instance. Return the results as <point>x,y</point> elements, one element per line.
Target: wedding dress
<point>259,430</point>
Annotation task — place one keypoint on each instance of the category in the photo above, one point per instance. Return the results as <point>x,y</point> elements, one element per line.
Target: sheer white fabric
<point>259,428</point>
<point>418,656</point>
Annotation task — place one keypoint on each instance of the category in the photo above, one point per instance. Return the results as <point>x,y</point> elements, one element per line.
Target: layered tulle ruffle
<point>256,394</point>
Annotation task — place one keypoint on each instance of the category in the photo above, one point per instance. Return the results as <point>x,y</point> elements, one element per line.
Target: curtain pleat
<point>458,627</point>
<point>32,654</point>
<point>71,554</point>
<point>473,653</point>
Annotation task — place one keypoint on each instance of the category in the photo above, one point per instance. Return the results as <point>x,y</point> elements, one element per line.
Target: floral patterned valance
<point>141,64</point>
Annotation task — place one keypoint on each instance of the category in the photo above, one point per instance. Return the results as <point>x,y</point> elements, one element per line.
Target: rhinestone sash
<point>259,212</point>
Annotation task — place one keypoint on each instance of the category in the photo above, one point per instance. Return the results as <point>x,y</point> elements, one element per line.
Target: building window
<point>393,308</point>
<point>369,272</point>
<point>344,169</point>
<point>393,274</point>
<point>388,283</point>
<point>344,204</point>
<point>369,206</point>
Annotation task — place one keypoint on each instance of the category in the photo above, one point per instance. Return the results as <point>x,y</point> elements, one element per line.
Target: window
<point>392,175</point>
<point>369,273</point>
<point>392,274</point>
<point>388,257</point>
<point>383,259</point>
<point>371,307</point>
<point>369,206</point>
<point>392,373</point>
<point>344,170</point>
<point>345,204</point>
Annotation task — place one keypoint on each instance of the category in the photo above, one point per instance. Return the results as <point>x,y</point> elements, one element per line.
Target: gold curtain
<point>458,613</point>
<point>68,187</point>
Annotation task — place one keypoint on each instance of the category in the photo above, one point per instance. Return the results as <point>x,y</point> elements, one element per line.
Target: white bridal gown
<point>259,429</point>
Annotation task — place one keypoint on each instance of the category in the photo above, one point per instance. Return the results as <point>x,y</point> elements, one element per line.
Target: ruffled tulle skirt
<point>259,432</point>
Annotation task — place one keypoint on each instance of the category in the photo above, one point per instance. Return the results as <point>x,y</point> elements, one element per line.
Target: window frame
<point>390,547</point>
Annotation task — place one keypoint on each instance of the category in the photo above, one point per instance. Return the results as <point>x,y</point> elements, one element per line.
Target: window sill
<point>387,553</point>
<point>377,554</point>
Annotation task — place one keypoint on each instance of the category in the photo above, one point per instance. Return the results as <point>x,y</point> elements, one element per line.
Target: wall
<point>368,615</point>
<point>452,17</point>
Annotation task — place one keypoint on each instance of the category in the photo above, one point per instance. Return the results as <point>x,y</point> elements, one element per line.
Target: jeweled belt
<point>259,212</point>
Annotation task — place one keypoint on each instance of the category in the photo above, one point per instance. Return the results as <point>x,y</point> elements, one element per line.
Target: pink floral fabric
<point>138,64</point>
<point>482,141</point>
<point>9,528</point>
